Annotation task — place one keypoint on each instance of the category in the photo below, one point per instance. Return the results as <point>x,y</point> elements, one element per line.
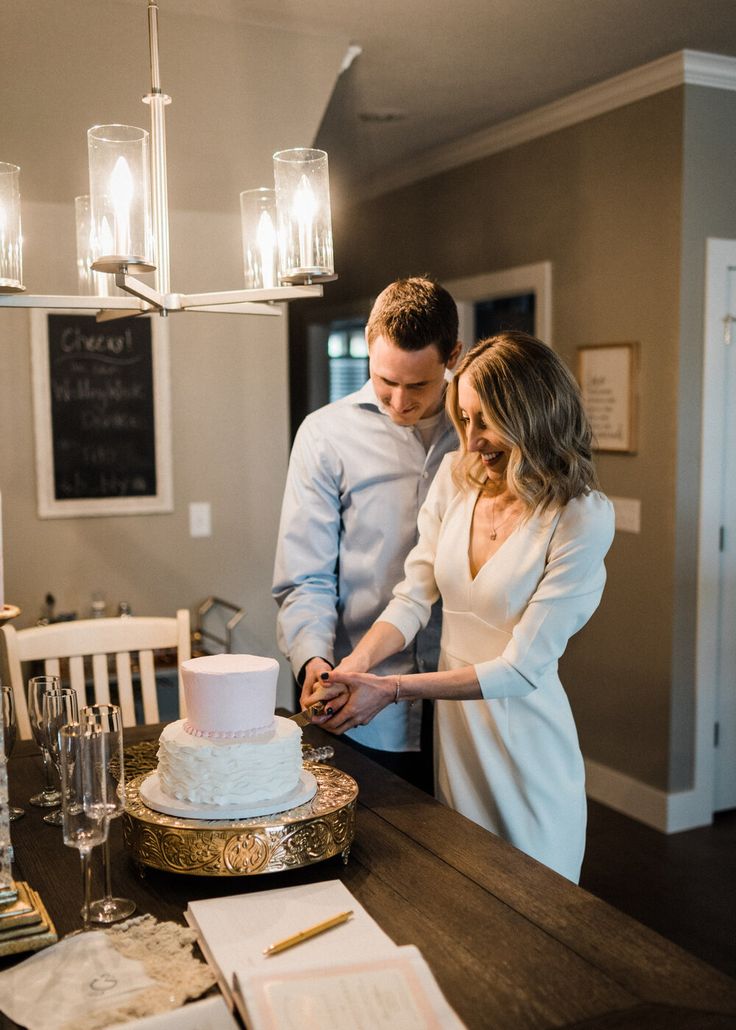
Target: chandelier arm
<point>224,297</point>
<point>140,289</point>
<point>251,308</point>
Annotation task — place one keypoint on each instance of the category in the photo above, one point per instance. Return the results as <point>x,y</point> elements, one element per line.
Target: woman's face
<point>480,439</point>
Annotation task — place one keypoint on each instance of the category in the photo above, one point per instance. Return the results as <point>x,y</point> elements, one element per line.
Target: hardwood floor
<point>682,885</point>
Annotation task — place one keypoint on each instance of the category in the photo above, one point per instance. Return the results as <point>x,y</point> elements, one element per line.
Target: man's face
<point>410,384</point>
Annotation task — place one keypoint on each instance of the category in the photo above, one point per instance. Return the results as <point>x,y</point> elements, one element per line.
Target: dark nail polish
<point>329,711</point>
<point>324,675</point>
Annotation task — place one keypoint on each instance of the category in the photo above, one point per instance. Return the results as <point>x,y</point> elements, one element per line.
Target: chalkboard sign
<point>101,404</point>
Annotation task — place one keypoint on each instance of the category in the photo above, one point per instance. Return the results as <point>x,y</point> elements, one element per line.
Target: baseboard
<point>667,812</point>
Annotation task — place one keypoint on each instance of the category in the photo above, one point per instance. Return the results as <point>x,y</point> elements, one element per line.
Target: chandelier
<point>123,226</point>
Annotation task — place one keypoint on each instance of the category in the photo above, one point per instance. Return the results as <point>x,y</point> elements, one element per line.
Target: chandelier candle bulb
<point>11,239</point>
<point>91,283</point>
<point>260,248</point>
<point>119,186</point>
<point>304,218</point>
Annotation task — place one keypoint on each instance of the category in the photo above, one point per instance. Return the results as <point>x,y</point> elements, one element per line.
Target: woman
<point>512,536</point>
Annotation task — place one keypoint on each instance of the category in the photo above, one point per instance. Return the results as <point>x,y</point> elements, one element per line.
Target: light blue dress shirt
<point>355,485</point>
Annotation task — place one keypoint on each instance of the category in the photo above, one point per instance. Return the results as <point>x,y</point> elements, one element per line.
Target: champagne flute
<point>9,730</point>
<point>48,796</point>
<point>59,708</point>
<point>82,764</point>
<point>108,720</point>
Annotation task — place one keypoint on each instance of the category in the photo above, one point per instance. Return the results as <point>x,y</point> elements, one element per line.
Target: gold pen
<point>304,935</point>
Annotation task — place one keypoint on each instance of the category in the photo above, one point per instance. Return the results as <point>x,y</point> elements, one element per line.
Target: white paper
<point>234,931</point>
<point>208,1014</point>
<point>75,977</point>
<point>394,993</point>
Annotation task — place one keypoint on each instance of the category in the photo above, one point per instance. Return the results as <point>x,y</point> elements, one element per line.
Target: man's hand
<point>312,672</point>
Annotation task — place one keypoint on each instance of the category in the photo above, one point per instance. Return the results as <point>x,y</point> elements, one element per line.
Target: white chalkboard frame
<point>49,507</point>
<point>610,369</point>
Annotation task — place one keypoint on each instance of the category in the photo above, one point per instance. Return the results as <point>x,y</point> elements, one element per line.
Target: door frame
<point>535,278</point>
<point>720,256</point>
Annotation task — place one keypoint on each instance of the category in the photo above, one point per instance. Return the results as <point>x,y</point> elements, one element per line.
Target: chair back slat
<point>184,650</point>
<point>23,723</point>
<point>77,679</point>
<point>100,679</point>
<point>125,687</point>
<point>148,686</point>
<point>97,639</point>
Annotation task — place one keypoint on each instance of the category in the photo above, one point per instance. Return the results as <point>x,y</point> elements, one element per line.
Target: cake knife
<point>304,717</point>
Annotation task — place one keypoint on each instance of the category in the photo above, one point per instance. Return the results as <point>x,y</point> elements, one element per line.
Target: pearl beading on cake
<point>226,734</point>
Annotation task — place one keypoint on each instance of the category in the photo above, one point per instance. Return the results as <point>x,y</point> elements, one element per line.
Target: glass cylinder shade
<point>260,241</point>
<point>91,283</point>
<point>304,220</point>
<point>11,239</point>
<point>120,197</point>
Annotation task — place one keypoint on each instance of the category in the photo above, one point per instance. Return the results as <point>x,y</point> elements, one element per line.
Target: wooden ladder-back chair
<point>97,639</point>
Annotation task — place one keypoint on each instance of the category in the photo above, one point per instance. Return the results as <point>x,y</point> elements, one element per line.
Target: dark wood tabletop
<point>512,944</point>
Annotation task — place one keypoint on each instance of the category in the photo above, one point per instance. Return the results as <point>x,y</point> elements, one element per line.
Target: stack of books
<point>25,923</point>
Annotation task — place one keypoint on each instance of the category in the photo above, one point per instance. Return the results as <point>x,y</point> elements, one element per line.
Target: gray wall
<point>602,201</point>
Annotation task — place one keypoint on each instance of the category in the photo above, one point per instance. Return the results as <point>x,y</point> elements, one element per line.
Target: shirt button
<point>425,475</point>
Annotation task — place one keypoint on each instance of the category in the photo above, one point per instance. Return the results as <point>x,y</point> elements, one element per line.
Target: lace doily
<point>165,949</point>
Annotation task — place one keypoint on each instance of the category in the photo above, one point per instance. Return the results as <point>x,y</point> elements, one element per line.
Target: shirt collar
<point>366,397</point>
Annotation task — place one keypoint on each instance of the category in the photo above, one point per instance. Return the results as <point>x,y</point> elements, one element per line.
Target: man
<point>359,472</point>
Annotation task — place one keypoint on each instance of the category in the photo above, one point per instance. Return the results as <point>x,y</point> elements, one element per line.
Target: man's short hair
<point>414,313</point>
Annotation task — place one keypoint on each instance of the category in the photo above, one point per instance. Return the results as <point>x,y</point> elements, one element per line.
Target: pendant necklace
<point>494,528</point>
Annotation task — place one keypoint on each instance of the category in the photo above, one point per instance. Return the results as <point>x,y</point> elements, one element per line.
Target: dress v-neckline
<point>490,557</point>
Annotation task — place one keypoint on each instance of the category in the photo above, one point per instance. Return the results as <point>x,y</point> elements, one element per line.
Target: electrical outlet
<point>200,519</point>
<point>628,514</point>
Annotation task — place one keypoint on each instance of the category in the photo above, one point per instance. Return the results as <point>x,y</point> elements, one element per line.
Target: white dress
<point>510,761</point>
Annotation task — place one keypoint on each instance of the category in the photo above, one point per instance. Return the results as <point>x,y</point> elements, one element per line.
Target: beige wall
<point>602,202</point>
<point>240,92</point>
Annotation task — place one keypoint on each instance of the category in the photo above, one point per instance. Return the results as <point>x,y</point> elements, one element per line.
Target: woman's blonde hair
<point>529,397</point>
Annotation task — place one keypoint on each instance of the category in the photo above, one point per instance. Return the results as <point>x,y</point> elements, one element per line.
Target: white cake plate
<point>153,796</point>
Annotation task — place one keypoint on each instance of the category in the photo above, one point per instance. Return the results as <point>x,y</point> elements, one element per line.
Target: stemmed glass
<point>49,796</point>
<point>8,703</point>
<point>82,764</point>
<point>59,707</point>
<point>107,719</point>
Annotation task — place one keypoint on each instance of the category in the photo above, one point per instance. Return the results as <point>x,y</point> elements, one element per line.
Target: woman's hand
<point>355,698</point>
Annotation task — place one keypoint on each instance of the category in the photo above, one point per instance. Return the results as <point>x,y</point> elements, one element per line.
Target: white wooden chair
<point>95,640</point>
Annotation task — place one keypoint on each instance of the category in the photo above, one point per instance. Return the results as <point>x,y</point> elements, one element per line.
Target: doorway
<point>715,758</point>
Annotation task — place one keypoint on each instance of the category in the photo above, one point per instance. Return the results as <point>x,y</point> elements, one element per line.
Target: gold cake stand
<point>318,829</point>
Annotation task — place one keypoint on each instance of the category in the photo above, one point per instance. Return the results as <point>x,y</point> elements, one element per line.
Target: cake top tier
<point>229,696</point>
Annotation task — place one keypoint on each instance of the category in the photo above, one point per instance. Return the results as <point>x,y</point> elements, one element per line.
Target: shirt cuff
<point>303,652</point>
<point>498,678</point>
<point>402,619</point>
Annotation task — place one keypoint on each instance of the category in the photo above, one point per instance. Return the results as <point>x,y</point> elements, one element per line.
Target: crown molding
<point>685,67</point>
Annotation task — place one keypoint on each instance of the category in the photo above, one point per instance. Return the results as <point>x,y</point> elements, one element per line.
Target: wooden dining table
<point>513,945</point>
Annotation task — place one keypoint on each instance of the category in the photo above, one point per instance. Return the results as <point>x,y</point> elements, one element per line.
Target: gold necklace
<point>494,528</point>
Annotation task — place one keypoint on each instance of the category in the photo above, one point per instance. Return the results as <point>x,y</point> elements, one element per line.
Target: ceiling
<point>432,71</point>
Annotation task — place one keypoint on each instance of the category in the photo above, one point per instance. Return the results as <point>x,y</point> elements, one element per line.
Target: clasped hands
<point>352,695</point>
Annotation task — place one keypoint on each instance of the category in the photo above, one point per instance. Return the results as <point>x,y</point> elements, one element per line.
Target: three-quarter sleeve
<point>567,595</point>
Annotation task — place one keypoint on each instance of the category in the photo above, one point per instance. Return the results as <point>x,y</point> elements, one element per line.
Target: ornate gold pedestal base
<point>318,829</point>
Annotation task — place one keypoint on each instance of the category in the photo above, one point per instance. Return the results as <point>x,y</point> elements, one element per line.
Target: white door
<point>725,701</point>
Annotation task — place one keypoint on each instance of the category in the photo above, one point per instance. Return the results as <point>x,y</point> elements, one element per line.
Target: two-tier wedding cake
<point>231,749</point>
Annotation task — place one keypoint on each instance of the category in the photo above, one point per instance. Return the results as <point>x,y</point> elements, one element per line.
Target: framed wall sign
<point>102,415</point>
<point>607,374</point>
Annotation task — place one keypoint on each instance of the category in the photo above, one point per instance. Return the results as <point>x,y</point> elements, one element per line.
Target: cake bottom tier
<point>200,770</point>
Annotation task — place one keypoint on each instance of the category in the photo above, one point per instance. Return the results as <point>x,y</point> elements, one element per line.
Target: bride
<point>512,536</point>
